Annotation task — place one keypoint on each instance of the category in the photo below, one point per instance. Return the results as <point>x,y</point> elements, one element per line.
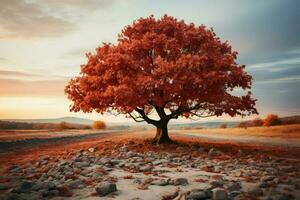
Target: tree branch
<point>145,117</point>
<point>136,118</point>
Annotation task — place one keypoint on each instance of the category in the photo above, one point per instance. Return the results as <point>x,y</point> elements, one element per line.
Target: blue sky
<point>42,44</point>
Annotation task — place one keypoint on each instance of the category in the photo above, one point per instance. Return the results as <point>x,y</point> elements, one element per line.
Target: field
<point>284,131</point>
<point>70,164</point>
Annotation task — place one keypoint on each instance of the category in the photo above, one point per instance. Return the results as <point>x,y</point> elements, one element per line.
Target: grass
<point>282,131</point>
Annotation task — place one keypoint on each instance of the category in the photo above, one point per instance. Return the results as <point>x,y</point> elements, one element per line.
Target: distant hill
<point>72,120</point>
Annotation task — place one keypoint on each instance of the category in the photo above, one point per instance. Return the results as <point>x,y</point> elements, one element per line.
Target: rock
<point>234,186</point>
<point>219,194</point>
<point>267,178</point>
<point>43,185</point>
<point>25,187</point>
<point>130,154</point>
<point>52,193</point>
<point>64,191</point>
<point>254,189</point>
<point>92,149</point>
<point>10,196</point>
<point>4,186</point>
<point>217,183</point>
<point>84,164</point>
<point>124,149</point>
<point>214,152</point>
<point>161,182</point>
<point>160,161</point>
<point>105,188</point>
<point>75,184</point>
<point>181,181</point>
<point>200,195</point>
<point>145,168</point>
<point>288,168</point>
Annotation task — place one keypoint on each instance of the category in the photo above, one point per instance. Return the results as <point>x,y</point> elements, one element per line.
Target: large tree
<point>164,66</point>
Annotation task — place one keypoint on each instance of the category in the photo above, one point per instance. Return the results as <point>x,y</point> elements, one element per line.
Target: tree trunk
<point>162,136</point>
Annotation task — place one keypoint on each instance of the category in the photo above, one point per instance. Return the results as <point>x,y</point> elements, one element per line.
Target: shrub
<point>242,125</point>
<point>64,125</point>
<point>223,125</point>
<point>99,125</point>
<point>257,122</point>
<point>272,120</point>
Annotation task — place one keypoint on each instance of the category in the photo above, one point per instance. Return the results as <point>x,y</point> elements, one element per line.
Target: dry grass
<point>283,131</point>
<point>12,135</point>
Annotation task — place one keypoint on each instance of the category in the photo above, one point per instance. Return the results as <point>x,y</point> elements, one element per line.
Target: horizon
<point>45,46</point>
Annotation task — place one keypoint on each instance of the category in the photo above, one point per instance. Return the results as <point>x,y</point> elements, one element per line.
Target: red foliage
<point>99,124</point>
<point>162,64</point>
<point>271,120</point>
<point>223,125</point>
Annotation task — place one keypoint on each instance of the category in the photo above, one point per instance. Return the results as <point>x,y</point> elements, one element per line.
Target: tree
<point>99,125</point>
<point>223,125</point>
<point>164,66</point>
<point>272,120</point>
<point>257,122</point>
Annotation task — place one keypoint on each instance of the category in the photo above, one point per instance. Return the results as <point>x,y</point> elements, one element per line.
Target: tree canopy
<point>163,65</point>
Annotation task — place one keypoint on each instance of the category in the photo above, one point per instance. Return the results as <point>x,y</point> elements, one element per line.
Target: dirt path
<point>270,141</point>
<point>54,138</point>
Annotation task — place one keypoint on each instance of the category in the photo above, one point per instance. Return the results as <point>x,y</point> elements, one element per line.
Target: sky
<point>43,43</point>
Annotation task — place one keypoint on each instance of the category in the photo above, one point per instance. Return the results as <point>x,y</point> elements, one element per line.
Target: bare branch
<point>135,118</point>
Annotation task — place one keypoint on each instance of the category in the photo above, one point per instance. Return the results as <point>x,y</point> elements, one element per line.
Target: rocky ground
<point>119,171</point>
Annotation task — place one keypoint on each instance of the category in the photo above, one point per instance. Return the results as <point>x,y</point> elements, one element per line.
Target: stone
<point>214,152</point>
<point>145,168</point>
<point>267,178</point>
<point>161,182</point>
<point>64,191</point>
<point>181,181</point>
<point>105,188</point>
<point>234,186</point>
<point>25,187</point>
<point>92,149</point>
<point>84,164</point>
<point>4,186</point>
<point>254,189</point>
<point>160,161</point>
<point>219,194</point>
<point>43,185</point>
<point>124,149</point>
<point>75,184</point>
<point>200,195</point>
<point>217,183</point>
<point>52,193</point>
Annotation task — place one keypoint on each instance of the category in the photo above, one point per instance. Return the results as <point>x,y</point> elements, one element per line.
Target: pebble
<point>219,194</point>
<point>105,188</point>
<point>181,181</point>
<point>197,196</point>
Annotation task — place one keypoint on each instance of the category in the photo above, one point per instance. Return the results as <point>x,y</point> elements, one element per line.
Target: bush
<point>257,122</point>
<point>272,120</point>
<point>242,125</point>
<point>223,125</point>
<point>99,125</point>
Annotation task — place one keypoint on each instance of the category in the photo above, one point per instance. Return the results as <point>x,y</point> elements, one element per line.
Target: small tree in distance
<point>163,66</point>
<point>257,122</point>
<point>223,125</point>
<point>99,125</point>
<point>272,120</point>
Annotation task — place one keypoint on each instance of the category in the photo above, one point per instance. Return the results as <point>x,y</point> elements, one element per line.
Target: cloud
<point>288,79</point>
<point>7,73</point>
<point>40,19</point>
<point>270,65</point>
<point>19,19</point>
<point>13,87</point>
